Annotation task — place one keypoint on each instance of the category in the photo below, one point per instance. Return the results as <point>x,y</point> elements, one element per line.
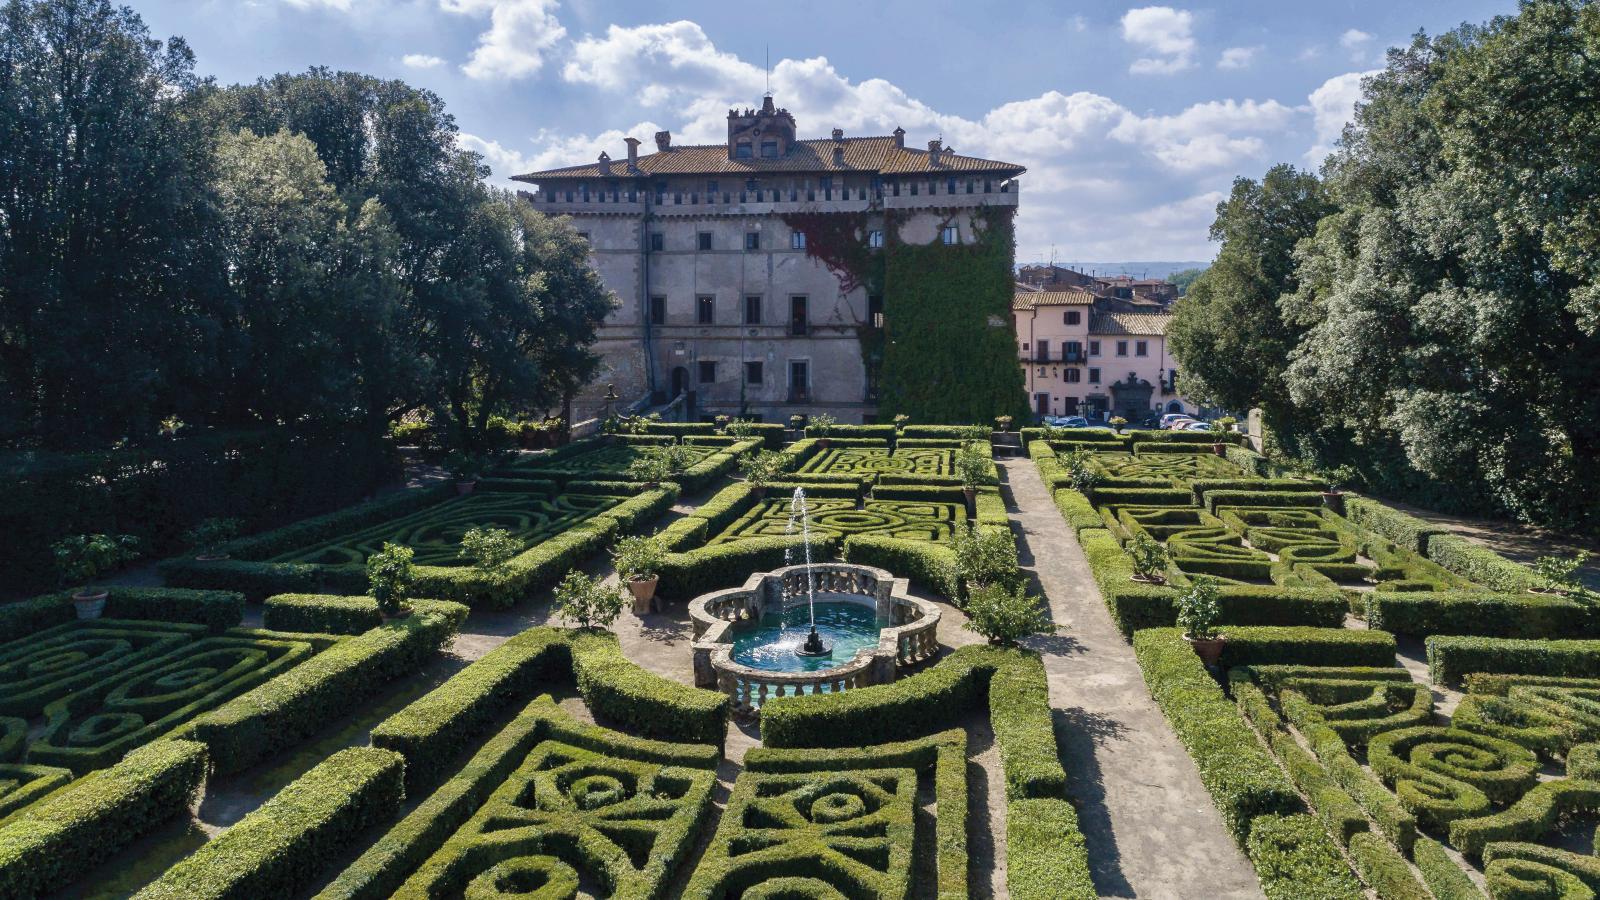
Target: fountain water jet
<point>813,645</point>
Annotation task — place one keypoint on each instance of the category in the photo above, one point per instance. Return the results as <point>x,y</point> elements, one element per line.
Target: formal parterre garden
<point>1337,771</point>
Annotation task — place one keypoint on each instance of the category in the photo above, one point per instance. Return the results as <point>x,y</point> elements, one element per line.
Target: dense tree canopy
<point>312,249</point>
<point>1443,322</point>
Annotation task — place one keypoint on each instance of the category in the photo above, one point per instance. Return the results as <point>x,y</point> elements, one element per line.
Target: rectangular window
<point>705,310</point>
<point>658,310</point>
<point>708,371</point>
<point>1044,351</point>
<point>1122,348</point>
<point>950,236</point>
<point>752,240</point>
<point>1094,376</point>
<point>741,150</point>
<point>1074,375</point>
<point>1074,317</point>
<point>797,240</point>
<point>752,372</point>
<point>1094,348</point>
<point>799,316</point>
<point>769,149</point>
<point>799,380</point>
<point>875,238</point>
<point>825,182</point>
<point>875,310</point>
<point>658,241</point>
<point>1141,348</point>
<point>950,185</point>
<point>711,187</point>
<point>752,309</point>
<point>705,240</point>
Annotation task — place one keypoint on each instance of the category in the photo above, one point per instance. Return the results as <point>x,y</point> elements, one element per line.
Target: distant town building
<point>1086,355</point>
<point>1141,291</point>
<point>722,301</point>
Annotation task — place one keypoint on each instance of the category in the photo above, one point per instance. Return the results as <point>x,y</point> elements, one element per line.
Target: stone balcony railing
<point>910,637</point>
<point>771,201</point>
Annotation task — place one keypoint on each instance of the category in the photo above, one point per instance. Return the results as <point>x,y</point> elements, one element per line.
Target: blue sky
<point>1133,120</point>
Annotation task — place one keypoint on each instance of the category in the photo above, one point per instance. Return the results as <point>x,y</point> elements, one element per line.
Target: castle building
<point>738,267</point>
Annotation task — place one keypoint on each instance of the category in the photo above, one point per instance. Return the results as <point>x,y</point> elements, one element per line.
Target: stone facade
<point>718,297</point>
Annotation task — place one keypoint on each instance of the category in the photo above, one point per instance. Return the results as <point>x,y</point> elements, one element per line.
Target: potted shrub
<point>1002,424</point>
<point>972,464</point>
<point>83,558</point>
<point>823,423</point>
<point>982,556</point>
<point>1117,422</point>
<point>1006,615</point>
<point>761,469</point>
<point>638,562</point>
<point>797,423</point>
<point>900,422</point>
<point>1198,613</point>
<point>1149,559</point>
<point>466,469</point>
<point>490,549</point>
<point>1080,470</point>
<point>1333,497</point>
<point>1221,427</point>
<point>210,537</point>
<point>587,601</point>
<point>740,429</point>
<point>656,464</point>
<point>390,573</point>
<point>722,423</point>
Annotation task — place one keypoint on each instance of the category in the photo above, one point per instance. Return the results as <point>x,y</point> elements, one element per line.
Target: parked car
<point>1066,421</point>
<point>1180,424</point>
<point>1170,418</point>
<point>1197,426</point>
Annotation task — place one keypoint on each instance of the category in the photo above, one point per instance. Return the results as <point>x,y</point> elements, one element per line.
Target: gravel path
<point>1151,828</point>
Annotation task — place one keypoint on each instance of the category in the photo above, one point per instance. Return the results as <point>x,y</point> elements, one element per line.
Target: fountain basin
<point>745,637</point>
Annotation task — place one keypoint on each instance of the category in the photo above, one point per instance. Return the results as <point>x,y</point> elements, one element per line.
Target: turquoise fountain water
<point>773,643</point>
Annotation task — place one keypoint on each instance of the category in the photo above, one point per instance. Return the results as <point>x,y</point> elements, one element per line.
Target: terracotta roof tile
<point>1139,324</point>
<point>1023,300</point>
<point>861,154</point>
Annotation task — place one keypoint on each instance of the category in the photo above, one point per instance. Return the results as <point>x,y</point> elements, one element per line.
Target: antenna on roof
<point>769,70</point>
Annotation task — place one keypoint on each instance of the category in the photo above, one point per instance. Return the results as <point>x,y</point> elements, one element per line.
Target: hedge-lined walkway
<point>1151,828</point>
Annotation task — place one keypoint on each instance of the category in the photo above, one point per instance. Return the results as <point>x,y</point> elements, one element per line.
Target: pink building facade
<point>1082,357</point>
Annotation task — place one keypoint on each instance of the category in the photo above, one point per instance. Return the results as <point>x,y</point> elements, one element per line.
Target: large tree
<point>1453,305</point>
<point>104,269</point>
<point>1227,333</point>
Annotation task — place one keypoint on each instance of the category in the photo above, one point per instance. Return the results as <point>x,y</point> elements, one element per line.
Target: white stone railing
<point>910,637</point>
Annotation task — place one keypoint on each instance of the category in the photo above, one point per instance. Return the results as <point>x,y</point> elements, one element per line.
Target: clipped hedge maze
<point>902,519</point>
<point>604,459</point>
<point>1177,466</point>
<point>569,811</point>
<point>435,533</point>
<point>1390,784</point>
<point>881,461</point>
<point>106,686</point>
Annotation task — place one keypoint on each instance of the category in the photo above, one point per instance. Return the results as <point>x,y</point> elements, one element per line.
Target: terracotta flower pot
<point>464,488</point>
<point>1219,449</point>
<point>971,493</point>
<point>89,604</point>
<point>1210,650</point>
<point>1334,500</point>
<point>403,613</point>
<point>643,591</point>
<point>822,442</point>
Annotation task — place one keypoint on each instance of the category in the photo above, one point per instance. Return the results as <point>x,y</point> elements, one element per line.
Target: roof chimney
<point>605,163</point>
<point>899,136</point>
<point>838,135</point>
<point>633,153</point>
<point>663,141</point>
<point>933,152</point>
<point>838,155</point>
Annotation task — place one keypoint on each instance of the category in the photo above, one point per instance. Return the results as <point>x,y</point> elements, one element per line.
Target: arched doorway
<point>1174,407</point>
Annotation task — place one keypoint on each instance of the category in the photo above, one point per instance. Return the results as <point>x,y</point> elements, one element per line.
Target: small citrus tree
<point>982,556</point>
<point>489,548</point>
<point>1149,558</point>
<point>1198,610</point>
<point>588,601</point>
<point>390,573</point>
<point>1006,615</point>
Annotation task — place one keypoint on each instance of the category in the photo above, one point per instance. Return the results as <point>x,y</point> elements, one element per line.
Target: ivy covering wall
<point>943,360</point>
<point>938,358</point>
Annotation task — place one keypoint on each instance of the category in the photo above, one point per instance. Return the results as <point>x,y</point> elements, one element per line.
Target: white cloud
<point>1332,105</point>
<point>1237,57</point>
<point>1165,34</point>
<point>1150,180</point>
<point>340,5</point>
<point>520,33</point>
<point>1353,39</point>
<point>1079,23</point>
<point>421,61</point>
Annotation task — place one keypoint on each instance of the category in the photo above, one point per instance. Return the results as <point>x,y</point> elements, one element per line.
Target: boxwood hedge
<point>1521,615</point>
<point>217,610</point>
<point>1296,860</point>
<point>1450,658</point>
<point>1479,564</point>
<point>281,848</point>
